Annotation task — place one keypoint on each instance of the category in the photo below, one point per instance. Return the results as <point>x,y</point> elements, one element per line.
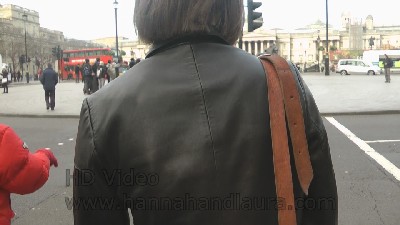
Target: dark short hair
<point>161,20</point>
<point>49,65</point>
<point>87,60</point>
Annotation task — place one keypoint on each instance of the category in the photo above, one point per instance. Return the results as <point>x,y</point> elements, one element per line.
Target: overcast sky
<point>90,19</point>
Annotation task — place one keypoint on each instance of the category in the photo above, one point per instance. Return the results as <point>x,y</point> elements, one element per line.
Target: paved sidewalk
<point>334,94</point>
<point>28,100</point>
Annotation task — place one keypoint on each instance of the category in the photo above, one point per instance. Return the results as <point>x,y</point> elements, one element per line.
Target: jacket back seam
<point>205,106</point>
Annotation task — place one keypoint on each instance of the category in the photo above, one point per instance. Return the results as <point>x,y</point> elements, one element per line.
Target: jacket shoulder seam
<point>94,151</point>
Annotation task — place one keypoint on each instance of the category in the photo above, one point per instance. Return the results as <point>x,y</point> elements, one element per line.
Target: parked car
<point>312,68</point>
<point>356,66</point>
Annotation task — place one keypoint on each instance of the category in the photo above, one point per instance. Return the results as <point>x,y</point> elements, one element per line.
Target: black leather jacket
<point>183,138</point>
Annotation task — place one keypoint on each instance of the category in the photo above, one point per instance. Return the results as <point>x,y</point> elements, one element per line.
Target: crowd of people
<point>95,76</point>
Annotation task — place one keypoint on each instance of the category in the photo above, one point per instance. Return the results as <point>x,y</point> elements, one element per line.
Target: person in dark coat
<point>4,80</point>
<point>132,63</point>
<point>184,136</point>
<point>102,70</point>
<point>387,64</point>
<point>77,72</point>
<point>96,72</point>
<point>19,75</point>
<point>49,81</point>
<point>87,72</point>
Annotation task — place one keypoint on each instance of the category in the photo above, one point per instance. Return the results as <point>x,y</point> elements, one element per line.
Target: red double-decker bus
<point>71,58</point>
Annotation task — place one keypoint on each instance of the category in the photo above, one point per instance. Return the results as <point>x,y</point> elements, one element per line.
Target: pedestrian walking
<point>96,74</point>
<point>82,77</point>
<point>77,71</point>
<point>102,70</point>
<point>110,71</point>
<point>4,80</point>
<point>19,76</point>
<point>387,64</point>
<point>49,81</point>
<point>132,63</point>
<point>192,122</point>
<point>21,172</point>
<point>88,77</point>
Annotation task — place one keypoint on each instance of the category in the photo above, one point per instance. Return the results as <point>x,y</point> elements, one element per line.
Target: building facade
<point>304,45</point>
<point>21,34</point>
<point>309,45</point>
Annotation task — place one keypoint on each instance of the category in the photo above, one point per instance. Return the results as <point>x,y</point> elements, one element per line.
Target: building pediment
<point>259,36</point>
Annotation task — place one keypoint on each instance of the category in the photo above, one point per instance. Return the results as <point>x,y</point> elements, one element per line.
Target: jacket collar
<point>190,39</point>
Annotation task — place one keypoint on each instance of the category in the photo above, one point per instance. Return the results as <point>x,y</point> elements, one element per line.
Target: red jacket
<point>21,172</point>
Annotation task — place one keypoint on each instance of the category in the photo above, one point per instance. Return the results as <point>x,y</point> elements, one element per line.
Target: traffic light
<point>60,53</point>
<point>54,51</point>
<point>22,59</point>
<point>254,19</point>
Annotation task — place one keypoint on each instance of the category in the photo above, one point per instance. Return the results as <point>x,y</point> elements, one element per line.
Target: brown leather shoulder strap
<point>294,115</point>
<point>284,100</point>
<point>280,149</point>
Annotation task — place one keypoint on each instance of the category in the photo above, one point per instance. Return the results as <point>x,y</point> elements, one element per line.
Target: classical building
<point>308,45</point>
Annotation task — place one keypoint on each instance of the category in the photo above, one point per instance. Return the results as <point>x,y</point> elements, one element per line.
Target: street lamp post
<point>318,41</point>
<point>26,50</point>
<point>116,37</point>
<point>327,43</point>
<point>350,36</point>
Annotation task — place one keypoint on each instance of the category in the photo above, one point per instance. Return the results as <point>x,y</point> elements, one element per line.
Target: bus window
<point>106,52</point>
